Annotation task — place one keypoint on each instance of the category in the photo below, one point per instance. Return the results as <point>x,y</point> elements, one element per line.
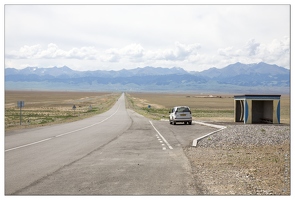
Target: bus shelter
<point>252,109</point>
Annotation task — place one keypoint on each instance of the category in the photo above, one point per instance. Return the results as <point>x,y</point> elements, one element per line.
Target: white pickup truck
<point>180,114</point>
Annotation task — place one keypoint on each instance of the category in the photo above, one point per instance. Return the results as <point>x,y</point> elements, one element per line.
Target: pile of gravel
<point>247,134</point>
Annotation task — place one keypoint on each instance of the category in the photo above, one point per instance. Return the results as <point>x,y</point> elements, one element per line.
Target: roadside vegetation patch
<point>209,108</point>
<point>44,108</point>
<point>203,108</point>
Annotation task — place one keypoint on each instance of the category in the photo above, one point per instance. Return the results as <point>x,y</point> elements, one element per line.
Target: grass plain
<point>48,107</point>
<point>211,108</point>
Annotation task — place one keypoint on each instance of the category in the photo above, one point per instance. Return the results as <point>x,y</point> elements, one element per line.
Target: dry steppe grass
<point>210,108</point>
<point>48,107</point>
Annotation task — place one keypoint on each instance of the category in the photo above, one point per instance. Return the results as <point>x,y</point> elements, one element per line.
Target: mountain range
<point>238,77</point>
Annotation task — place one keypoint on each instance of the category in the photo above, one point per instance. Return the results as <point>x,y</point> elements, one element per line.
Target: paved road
<point>118,152</point>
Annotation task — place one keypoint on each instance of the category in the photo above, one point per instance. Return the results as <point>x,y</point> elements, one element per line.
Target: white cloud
<point>134,50</point>
<point>226,52</point>
<point>28,51</point>
<point>86,53</point>
<point>110,55</point>
<point>189,56</point>
<point>131,52</point>
<point>52,52</point>
<point>194,37</point>
<point>251,47</point>
<point>276,51</point>
<point>180,52</point>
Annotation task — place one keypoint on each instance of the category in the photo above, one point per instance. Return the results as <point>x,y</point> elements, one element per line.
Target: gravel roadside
<point>243,159</point>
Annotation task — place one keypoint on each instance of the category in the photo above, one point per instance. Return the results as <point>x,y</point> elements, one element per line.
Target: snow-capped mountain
<point>156,78</point>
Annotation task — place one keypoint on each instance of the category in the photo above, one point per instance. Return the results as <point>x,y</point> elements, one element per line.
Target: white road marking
<point>28,144</point>
<point>195,141</point>
<point>44,140</point>
<point>161,136</point>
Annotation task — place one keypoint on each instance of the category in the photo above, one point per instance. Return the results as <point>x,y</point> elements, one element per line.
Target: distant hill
<point>233,78</point>
<point>246,69</point>
<point>260,74</point>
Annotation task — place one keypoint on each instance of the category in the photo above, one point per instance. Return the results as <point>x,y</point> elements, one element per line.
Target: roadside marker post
<point>20,104</point>
<point>74,108</point>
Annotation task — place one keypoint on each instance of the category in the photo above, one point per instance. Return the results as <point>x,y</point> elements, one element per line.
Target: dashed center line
<point>164,148</point>
<point>163,139</point>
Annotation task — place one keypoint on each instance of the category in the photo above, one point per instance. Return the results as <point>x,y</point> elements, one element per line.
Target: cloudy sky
<point>113,37</point>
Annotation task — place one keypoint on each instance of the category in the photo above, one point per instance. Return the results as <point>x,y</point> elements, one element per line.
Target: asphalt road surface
<point>118,152</point>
